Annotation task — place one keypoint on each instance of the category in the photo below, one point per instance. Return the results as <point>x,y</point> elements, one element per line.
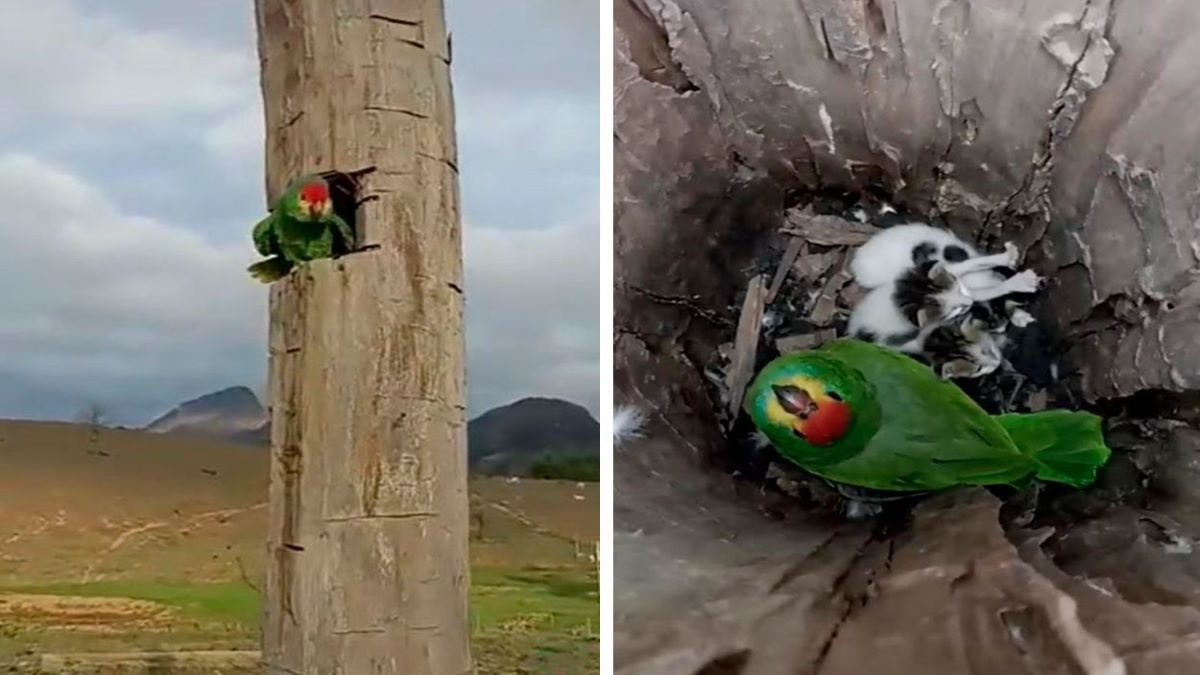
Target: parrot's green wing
<point>266,238</point>
<point>931,435</point>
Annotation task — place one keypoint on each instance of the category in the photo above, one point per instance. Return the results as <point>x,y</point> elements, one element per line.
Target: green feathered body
<point>291,234</point>
<point>912,431</point>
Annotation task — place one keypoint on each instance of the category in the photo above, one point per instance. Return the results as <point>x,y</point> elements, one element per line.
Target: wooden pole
<point>368,528</point>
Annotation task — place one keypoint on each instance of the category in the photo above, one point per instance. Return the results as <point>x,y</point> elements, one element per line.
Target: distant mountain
<point>512,438</point>
<point>508,440</point>
<point>233,414</point>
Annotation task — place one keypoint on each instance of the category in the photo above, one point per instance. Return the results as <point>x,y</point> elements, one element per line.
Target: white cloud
<point>108,297</point>
<point>238,137</point>
<point>533,315</point>
<point>65,64</point>
<point>131,143</point>
<point>111,296</point>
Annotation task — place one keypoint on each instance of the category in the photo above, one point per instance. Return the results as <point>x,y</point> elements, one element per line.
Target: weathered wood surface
<point>953,595</point>
<point>1068,126</point>
<point>368,529</point>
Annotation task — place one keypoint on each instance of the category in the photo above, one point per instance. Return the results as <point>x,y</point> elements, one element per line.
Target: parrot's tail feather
<point>1068,446</point>
<point>271,269</point>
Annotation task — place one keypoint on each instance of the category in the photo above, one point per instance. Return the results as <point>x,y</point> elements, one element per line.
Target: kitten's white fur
<point>888,255</point>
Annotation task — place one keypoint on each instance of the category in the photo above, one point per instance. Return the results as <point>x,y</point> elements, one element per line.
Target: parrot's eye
<point>834,395</point>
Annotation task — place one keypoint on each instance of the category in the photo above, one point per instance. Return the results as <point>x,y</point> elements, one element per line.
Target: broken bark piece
<point>795,343</point>
<point>828,230</point>
<point>824,305</point>
<point>745,344</point>
<point>851,294</point>
<point>795,248</point>
<point>811,266</point>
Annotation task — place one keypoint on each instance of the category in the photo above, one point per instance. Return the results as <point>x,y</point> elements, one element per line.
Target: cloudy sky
<point>131,174</point>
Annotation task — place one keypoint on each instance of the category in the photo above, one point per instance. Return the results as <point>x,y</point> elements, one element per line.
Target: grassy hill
<point>116,540</point>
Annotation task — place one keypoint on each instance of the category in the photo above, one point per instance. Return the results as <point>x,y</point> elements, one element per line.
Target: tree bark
<point>1067,126</point>
<point>368,528</point>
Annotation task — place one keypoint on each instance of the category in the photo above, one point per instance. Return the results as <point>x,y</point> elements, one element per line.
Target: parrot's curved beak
<point>795,400</point>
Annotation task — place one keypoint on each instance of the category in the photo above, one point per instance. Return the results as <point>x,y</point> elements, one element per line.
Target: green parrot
<point>856,413</point>
<point>302,226</point>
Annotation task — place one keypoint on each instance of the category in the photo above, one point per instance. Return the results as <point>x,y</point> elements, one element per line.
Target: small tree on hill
<point>95,416</point>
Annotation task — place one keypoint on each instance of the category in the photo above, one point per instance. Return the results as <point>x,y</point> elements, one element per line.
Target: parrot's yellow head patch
<point>815,413</point>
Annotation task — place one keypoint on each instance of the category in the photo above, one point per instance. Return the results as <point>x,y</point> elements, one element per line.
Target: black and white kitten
<point>934,297</point>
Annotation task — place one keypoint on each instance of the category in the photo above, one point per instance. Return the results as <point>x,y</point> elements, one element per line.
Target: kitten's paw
<point>1012,254</point>
<point>1021,318</point>
<point>959,369</point>
<point>1027,281</point>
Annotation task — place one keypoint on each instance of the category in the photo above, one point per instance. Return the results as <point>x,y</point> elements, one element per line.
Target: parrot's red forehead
<point>314,192</point>
<point>828,424</point>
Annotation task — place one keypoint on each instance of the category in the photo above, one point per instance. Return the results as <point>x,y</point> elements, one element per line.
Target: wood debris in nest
<point>745,345</point>
<point>826,230</point>
<point>807,291</point>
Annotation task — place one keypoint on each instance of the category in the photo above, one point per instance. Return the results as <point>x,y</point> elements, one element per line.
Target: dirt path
<point>143,663</point>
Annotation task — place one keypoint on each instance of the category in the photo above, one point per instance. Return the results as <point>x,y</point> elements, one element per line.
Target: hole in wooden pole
<point>343,190</point>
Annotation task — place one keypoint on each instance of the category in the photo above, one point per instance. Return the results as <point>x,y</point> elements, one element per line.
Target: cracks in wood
<point>365,248</point>
<point>1063,114</point>
<point>818,178</point>
<point>900,41</point>
<point>680,301</point>
<point>293,120</point>
<point>801,567</point>
<point>450,163</point>
<point>455,287</point>
<point>359,631</point>
<point>825,41</point>
<point>395,20</point>
<point>852,604</point>
<point>397,110</point>
<point>381,516</point>
<point>372,482</point>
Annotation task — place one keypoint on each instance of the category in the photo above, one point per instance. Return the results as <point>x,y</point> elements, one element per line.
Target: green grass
<point>535,621</point>
<point>530,620</point>
<point>224,602</point>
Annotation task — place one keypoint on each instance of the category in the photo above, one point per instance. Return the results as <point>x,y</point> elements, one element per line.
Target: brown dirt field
<point>82,613</point>
<point>78,509</point>
<point>144,513</point>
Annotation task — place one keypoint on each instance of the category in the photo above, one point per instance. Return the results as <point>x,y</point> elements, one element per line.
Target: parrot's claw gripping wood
<point>302,226</point>
<point>271,269</point>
